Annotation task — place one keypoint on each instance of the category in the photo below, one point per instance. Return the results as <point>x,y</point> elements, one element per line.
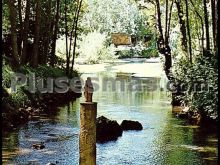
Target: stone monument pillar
<point>87,139</point>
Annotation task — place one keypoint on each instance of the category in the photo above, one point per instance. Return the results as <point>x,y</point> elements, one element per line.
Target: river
<point>140,94</point>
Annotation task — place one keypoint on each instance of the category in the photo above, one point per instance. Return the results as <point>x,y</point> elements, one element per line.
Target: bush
<point>94,48</point>
<point>43,71</point>
<point>6,75</point>
<point>203,71</point>
<point>126,53</point>
<point>20,97</point>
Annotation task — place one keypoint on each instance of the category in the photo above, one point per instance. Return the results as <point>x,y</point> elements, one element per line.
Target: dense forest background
<point>46,37</point>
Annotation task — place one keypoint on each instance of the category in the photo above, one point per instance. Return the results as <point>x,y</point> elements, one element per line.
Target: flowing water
<point>164,139</point>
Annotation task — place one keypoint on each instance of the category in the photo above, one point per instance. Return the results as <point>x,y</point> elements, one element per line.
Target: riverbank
<point>14,117</point>
<point>164,139</point>
<point>21,106</point>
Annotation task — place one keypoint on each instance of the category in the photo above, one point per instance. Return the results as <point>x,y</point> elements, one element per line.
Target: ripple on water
<point>164,140</point>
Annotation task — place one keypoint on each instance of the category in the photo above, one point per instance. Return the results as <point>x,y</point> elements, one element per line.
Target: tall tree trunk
<point>169,20</point>
<point>25,33</point>
<point>214,19</point>
<point>163,47</point>
<point>75,34</point>
<point>13,21</point>
<point>36,35</point>
<point>66,35</point>
<point>206,26</point>
<point>53,51</point>
<point>182,25</point>
<point>188,31</point>
<point>166,20</point>
<point>47,33</point>
<point>72,30</point>
<point>20,38</point>
<point>217,25</point>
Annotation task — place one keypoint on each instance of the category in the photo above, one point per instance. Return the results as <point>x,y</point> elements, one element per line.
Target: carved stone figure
<point>88,90</point>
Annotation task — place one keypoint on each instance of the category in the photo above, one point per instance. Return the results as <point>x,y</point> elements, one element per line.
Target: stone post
<point>87,139</point>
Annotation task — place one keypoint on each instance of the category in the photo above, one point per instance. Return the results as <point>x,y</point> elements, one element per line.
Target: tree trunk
<point>188,31</point>
<point>214,19</point>
<point>166,20</point>
<point>13,21</point>
<point>217,31</point>
<point>53,51</point>
<point>47,34</point>
<point>36,35</point>
<point>163,47</point>
<point>206,25</point>
<point>75,34</point>
<point>20,38</point>
<point>66,34</point>
<point>72,30</point>
<point>25,33</point>
<point>182,25</point>
<point>169,20</point>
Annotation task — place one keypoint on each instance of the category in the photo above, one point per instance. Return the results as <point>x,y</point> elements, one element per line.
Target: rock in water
<point>131,125</point>
<point>107,130</point>
<point>38,146</point>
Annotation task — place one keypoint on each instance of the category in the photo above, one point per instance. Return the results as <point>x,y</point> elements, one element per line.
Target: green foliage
<point>6,75</point>
<point>151,48</point>
<point>94,48</point>
<point>5,20</point>
<point>43,71</point>
<point>111,16</point>
<point>19,98</point>
<point>146,50</point>
<point>203,71</point>
<point>125,53</point>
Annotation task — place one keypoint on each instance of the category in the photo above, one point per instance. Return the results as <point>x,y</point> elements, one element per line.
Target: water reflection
<point>164,139</point>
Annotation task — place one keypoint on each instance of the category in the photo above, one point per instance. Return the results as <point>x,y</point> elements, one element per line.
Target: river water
<point>164,140</point>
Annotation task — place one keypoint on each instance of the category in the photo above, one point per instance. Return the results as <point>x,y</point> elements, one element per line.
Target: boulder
<point>107,130</point>
<point>131,125</point>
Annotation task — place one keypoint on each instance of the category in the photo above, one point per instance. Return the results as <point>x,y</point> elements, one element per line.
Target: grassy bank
<point>20,106</point>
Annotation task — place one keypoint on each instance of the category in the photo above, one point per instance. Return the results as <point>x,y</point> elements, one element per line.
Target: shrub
<point>44,71</point>
<point>94,48</point>
<point>6,75</point>
<point>203,71</point>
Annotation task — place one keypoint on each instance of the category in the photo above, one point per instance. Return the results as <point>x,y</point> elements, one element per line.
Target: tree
<point>36,35</point>
<point>56,28</point>
<point>66,38</point>
<point>202,23</point>
<point>182,24</point>
<point>25,32</point>
<point>111,16</point>
<point>46,38</point>
<point>13,22</point>
<point>20,38</point>
<point>206,17</point>
<point>214,22</point>
<point>188,31</point>
<point>163,40</point>
<point>75,33</point>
